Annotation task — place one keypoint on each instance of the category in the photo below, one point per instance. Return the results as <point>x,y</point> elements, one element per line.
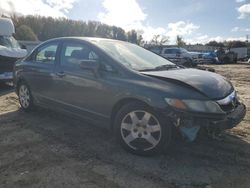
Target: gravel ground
<point>48,149</point>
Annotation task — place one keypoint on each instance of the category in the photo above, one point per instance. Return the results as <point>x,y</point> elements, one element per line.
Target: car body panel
<point>210,84</point>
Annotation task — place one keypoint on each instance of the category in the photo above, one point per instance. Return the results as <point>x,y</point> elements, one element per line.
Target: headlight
<point>194,105</point>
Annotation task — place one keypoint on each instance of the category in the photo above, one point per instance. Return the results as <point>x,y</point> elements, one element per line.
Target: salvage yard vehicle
<point>219,56</point>
<point>210,57</point>
<point>180,56</point>
<point>226,56</point>
<point>139,95</point>
<point>10,50</point>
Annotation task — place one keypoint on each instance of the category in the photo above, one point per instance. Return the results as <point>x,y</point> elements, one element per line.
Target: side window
<point>167,51</point>
<point>47,54</point>
<point>75,53</point>
<point>178,51</point>
<point>170,51</point>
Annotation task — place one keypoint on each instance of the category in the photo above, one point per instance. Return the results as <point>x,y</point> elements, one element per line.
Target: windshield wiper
<point>166,67</point>
<point>161,67</point>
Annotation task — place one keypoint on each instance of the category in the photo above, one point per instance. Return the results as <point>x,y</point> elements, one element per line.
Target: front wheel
<point>25,97</point>
<point>140,130</point>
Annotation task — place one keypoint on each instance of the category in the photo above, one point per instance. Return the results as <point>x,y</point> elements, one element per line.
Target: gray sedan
<point>139,95</point>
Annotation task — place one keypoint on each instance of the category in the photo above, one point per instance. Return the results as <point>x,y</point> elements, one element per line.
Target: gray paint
<point>93,96</point>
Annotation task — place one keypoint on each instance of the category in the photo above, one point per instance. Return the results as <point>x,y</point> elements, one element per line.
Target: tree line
<point>228,44</point>
<point>159,41</point>
<point>44,28</point>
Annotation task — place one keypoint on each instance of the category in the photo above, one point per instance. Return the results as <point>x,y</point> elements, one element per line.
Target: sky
<point>197,21</point>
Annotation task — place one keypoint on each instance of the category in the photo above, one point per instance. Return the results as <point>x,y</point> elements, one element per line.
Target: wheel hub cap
<point>141,127</point>
<point>24,96</point>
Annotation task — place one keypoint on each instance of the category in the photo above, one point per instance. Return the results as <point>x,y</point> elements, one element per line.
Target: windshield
<point>131,55</point>
<point>9,42</point>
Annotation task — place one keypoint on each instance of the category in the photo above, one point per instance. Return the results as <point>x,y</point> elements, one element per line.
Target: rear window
<point>171,51</point>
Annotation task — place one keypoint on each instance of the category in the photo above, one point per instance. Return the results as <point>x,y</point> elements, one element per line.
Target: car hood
<point>210,84</point>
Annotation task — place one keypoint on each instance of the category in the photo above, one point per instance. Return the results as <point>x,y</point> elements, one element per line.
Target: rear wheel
<point>25,97</point>
<point>140,130</point>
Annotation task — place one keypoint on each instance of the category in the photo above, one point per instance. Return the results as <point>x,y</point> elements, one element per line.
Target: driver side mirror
<point>92,65</point>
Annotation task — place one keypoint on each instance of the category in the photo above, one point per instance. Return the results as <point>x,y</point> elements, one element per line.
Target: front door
<point>81,90</point>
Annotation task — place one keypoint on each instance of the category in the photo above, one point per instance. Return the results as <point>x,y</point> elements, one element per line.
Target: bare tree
<point>179,41</point>
<point>159,40</point>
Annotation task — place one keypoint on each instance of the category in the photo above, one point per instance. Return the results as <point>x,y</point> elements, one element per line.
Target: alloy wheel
<point>141,130</point>
<point>24,96</point>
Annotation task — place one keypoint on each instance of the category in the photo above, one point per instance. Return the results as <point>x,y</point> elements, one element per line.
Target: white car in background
<point>10,50</point>
<point>180,56</point>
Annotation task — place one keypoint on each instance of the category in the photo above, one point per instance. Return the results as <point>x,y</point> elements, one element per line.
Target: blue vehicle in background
<point>210,57</point>
<point>220,56</point>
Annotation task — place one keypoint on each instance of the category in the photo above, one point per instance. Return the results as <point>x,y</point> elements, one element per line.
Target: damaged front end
<point>190,116</point>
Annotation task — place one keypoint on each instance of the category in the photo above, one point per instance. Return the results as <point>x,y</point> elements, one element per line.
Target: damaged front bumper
<point>190,123</point>
<point>231,119</point>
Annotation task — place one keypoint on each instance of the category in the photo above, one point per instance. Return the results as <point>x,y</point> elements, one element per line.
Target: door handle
<point>60,74</point>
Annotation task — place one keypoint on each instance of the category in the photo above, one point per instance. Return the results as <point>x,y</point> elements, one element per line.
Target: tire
<point>189,63</point>
<point>25,97</point>
<point>235,61</point>
<point>226,60</point>
<point>141,131</point>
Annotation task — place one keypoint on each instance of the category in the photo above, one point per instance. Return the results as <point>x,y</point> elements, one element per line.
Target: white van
<point>10,50</point>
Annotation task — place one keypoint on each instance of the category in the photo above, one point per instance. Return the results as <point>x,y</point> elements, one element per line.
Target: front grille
<point>7,64</point>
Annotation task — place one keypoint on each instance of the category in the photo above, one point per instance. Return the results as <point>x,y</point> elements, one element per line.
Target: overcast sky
<point>197,21</point>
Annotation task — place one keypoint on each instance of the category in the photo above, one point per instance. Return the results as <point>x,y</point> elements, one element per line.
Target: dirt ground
<point>48,149</point>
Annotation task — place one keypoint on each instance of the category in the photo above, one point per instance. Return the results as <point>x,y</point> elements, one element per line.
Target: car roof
<point>88,39</point>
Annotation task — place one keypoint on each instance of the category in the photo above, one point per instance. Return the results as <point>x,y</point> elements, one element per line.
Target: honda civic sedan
<point>139,95</point>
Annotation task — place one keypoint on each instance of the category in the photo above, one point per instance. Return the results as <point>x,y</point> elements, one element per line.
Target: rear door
<point>41,69</point>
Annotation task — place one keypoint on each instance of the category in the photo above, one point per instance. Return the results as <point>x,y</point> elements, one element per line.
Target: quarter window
<point>167,51</point>
<point>47,54</point>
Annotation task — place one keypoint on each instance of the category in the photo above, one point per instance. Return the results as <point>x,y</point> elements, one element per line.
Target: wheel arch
<point>120,104</point>
<point>18,82</point>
